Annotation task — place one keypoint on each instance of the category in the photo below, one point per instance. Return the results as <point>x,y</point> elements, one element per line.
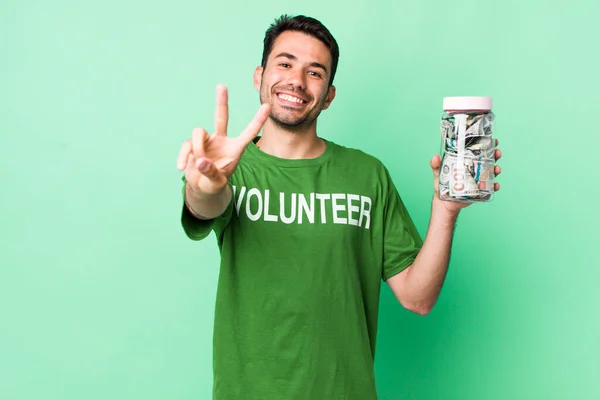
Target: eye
<point>284,65</point>
<point>315,74</point>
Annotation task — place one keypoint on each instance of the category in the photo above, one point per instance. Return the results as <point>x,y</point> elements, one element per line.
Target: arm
<point>208,161</point>
<point>205,206</point>
<point>418,286</point>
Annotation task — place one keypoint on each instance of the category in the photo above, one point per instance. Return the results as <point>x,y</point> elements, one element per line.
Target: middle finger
<point>221,111</point>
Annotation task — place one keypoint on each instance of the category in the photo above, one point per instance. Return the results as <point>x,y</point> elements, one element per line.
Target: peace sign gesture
<point>210,160</point>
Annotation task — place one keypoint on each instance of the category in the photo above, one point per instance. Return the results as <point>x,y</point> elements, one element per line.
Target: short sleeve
<point>198,229</point>
<point>401,240</point>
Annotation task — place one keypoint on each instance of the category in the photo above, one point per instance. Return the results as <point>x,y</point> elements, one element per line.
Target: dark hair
<point>303,24</point>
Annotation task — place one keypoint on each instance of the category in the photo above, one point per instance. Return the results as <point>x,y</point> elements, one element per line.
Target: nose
<point>297,78</point>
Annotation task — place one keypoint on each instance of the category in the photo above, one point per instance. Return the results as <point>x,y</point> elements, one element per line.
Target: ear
<point>330,97</point>
<point>258,78</point>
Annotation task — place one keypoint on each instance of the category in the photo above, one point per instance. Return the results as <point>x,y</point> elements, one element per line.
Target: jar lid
<point>468,103</point>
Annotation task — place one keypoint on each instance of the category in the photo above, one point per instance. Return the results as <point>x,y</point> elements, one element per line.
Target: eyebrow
<point>293,57</point>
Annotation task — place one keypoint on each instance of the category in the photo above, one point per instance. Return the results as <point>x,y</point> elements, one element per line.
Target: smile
<point>290,98</point>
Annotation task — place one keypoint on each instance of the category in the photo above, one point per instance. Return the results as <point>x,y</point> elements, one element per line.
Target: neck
<point>290,144</point>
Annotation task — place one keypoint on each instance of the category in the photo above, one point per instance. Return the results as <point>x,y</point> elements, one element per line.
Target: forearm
<point>205,206</point>
<point>423,281</point>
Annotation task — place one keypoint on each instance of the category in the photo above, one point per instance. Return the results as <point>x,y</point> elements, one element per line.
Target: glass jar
<point>467,150</point>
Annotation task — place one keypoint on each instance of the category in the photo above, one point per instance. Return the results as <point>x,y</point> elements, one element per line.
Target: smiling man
<point>296,81</point>
<point>307,230</point>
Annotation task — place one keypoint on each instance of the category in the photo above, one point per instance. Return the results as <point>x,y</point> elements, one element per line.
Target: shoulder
<point>364,167</point>
<point>357,158</point>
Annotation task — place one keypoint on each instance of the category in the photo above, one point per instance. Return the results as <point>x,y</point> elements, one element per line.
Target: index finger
<point>221,111</point>
<point>255,125</point>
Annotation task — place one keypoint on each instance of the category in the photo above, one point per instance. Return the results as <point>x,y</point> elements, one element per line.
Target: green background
<point>102,296</point>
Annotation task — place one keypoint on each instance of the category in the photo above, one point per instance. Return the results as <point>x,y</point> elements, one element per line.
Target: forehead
<point>305,47</point>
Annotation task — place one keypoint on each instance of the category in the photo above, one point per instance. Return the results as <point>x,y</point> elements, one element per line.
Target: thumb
<point>208,169</point>
<point>212,180</point>
<point>435,164</point>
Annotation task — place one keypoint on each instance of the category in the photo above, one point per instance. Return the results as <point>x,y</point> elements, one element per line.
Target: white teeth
<point>291,98</point>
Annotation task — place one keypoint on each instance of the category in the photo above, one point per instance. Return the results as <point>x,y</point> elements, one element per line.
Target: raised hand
<point>210,160</point>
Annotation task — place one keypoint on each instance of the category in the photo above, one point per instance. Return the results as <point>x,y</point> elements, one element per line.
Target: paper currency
<point>464,178</point>
<point>481,147</point>
<point>467,170</point>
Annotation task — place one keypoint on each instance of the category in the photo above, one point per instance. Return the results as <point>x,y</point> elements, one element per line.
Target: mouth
<point>291,99</point>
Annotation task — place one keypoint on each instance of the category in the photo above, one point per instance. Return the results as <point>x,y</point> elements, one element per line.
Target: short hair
<point>304,24</point>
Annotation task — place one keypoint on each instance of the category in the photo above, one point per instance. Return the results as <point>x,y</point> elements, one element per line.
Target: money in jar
<point>467,150</point>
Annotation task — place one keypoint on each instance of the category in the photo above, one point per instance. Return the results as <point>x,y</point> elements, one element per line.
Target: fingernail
<point>203,165</point>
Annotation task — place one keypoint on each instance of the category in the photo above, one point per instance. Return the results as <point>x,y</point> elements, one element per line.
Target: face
<point>295,81</point>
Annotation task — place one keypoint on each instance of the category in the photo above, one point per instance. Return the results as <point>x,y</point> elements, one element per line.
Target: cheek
<point>271,77</point>
<point>276,78</point>
<point>318,90</point>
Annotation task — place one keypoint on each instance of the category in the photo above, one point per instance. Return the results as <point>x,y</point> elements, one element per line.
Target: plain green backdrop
<point>103,297</point>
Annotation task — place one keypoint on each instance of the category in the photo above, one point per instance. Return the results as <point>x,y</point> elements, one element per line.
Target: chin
<point>287,120</point>
<point>289,123</point>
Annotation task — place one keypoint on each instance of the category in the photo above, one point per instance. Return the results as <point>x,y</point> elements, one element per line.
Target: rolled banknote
<point>465,179</point>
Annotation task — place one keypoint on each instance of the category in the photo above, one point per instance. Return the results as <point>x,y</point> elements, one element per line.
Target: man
<point>307,230</point>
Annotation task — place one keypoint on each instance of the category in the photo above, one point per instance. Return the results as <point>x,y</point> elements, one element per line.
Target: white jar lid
<point>468,103</point>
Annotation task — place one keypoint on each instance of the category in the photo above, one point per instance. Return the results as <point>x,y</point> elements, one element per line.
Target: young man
<point>307,230</point>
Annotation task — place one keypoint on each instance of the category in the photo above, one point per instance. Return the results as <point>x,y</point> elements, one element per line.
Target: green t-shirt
<point>305,245</point>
